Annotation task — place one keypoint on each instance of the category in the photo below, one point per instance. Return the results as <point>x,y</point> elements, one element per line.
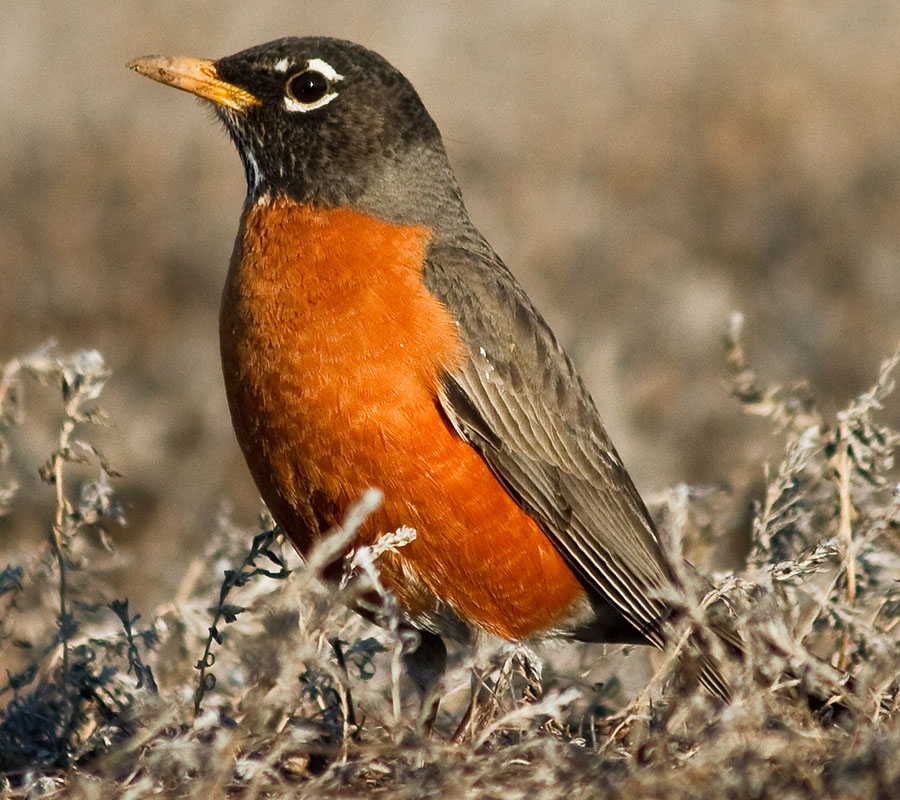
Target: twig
<point>261,546</point>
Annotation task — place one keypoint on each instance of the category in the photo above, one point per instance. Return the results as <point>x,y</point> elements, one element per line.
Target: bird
<point>371,337</point>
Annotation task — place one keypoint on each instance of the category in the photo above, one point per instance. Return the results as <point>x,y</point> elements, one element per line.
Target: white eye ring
<point>315,66</point>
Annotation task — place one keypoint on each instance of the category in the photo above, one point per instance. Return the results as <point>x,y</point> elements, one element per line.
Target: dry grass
<point>263,684</point>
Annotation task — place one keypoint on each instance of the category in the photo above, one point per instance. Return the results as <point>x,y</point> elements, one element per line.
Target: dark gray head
<point>326,122</point>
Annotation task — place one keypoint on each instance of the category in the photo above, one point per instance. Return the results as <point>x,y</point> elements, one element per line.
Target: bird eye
<point>312,87</point>
<point>308,87</point>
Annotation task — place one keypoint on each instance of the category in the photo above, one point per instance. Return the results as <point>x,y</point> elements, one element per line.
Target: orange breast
<point>333,351</point>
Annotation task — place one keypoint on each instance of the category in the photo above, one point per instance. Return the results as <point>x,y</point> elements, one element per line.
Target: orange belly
<point>333,351</point>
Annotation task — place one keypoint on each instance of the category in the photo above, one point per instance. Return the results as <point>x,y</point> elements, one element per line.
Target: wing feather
<point>519,400</point>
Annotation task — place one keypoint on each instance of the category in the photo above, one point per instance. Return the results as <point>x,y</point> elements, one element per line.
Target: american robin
<point>371,336</point>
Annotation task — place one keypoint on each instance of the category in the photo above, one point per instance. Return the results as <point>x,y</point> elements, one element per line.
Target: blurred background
<point>644,168</point>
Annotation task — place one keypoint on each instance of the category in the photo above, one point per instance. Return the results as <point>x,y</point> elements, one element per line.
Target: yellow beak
<point>195,75</point>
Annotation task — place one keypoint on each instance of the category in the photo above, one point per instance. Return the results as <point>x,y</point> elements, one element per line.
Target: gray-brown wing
<point>520,402</point>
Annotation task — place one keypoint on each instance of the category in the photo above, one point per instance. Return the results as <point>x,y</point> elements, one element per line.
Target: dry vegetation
<point>645,169</point>
<point>262,684</point>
